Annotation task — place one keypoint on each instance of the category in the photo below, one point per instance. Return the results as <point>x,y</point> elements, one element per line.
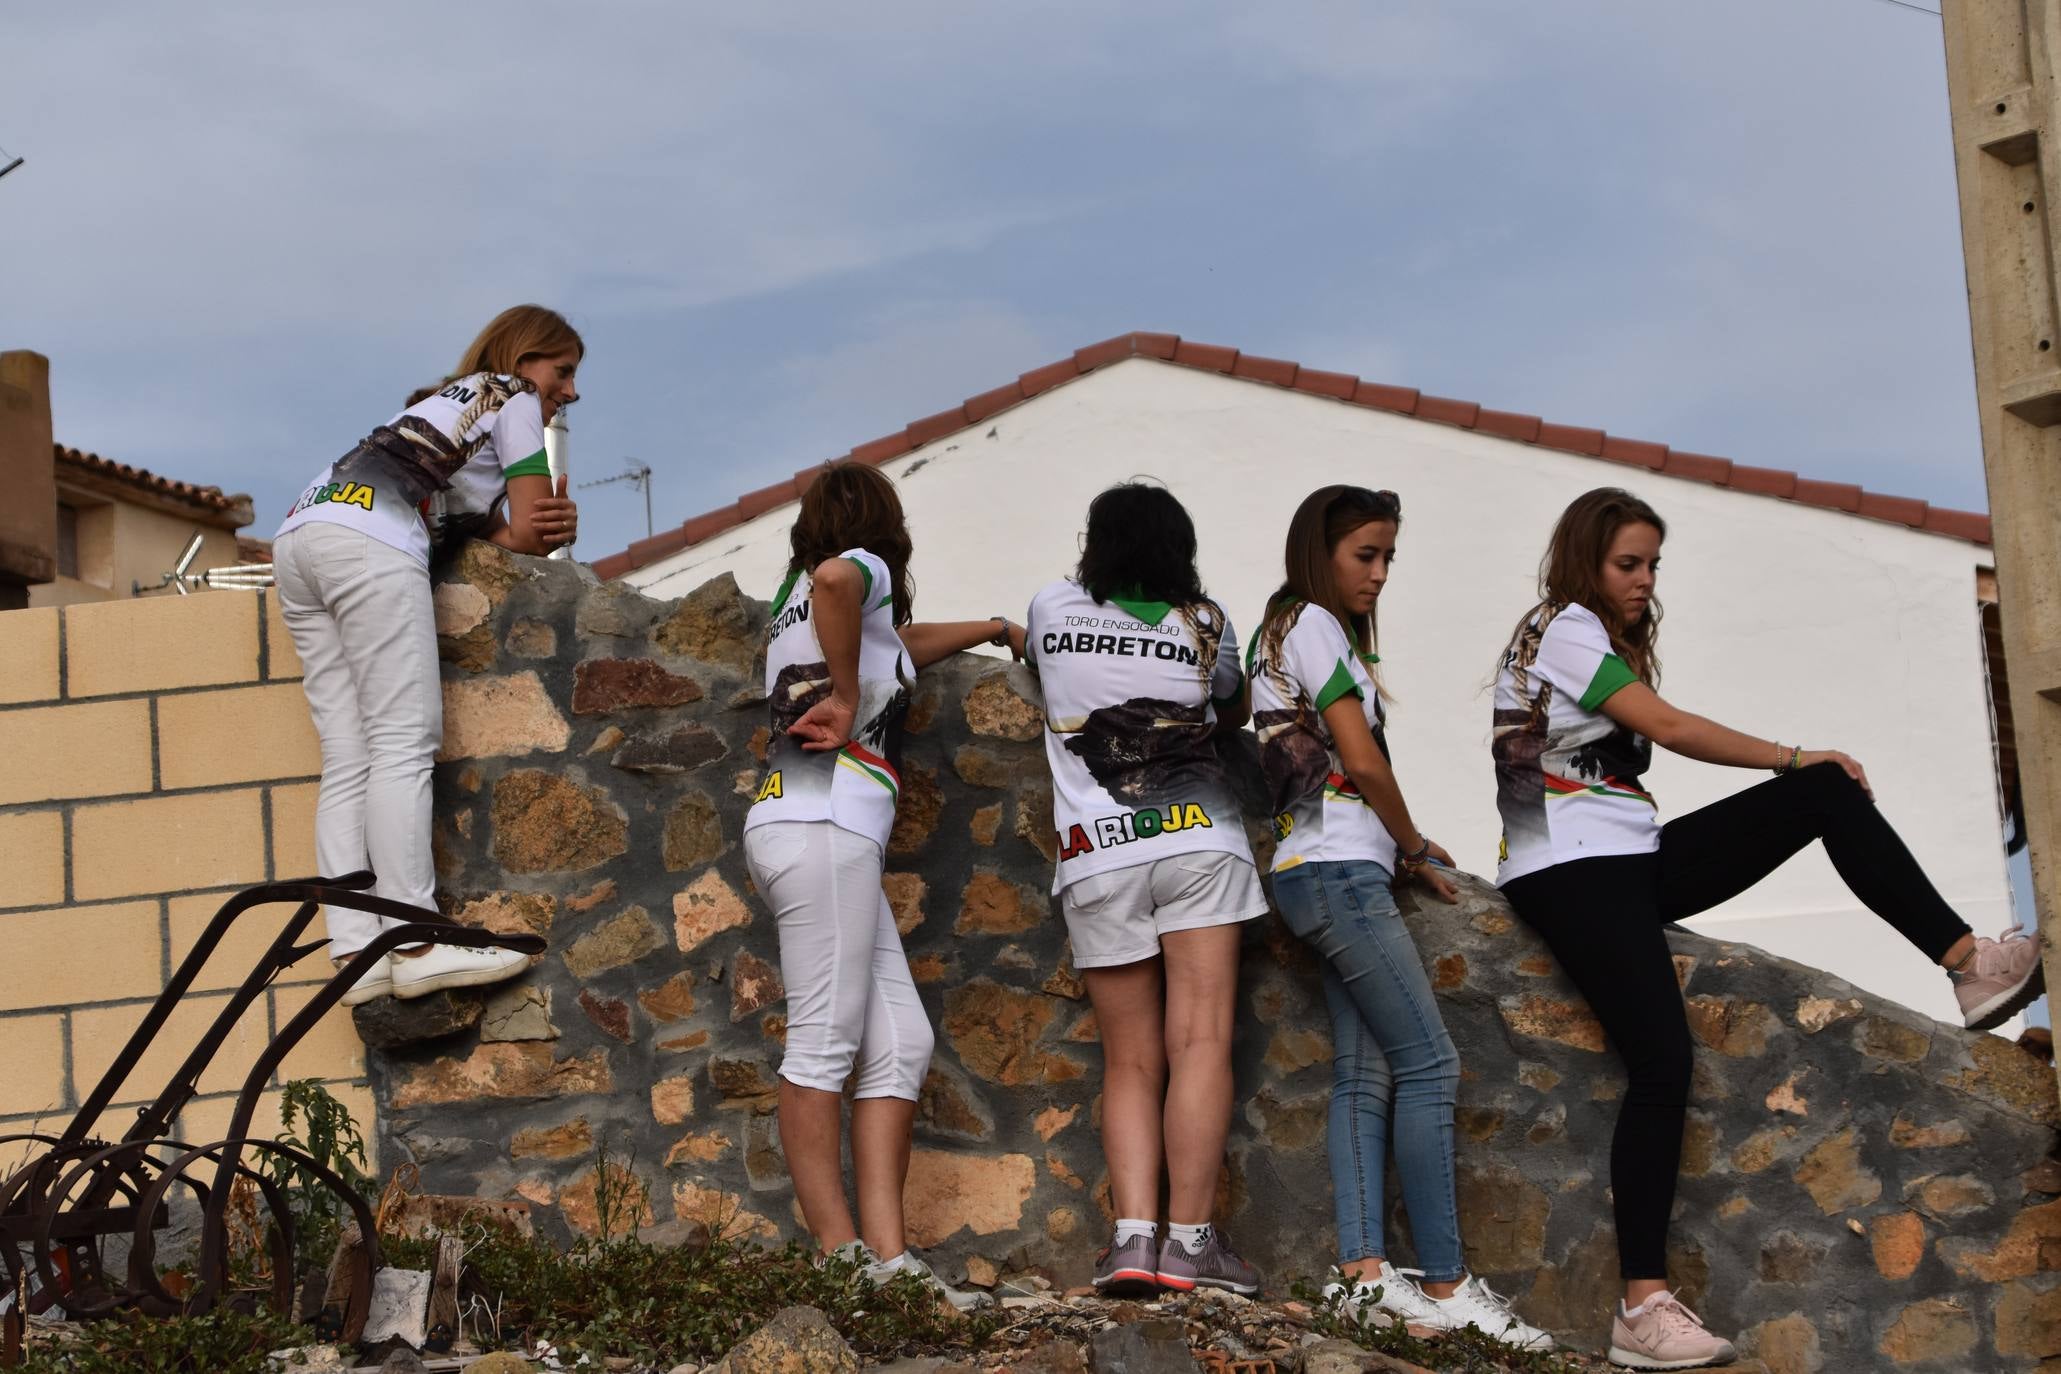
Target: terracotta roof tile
<point>879,450</point>
<point>1448,411</point>
<point>937,426</point>
<point>1570,439</point>
<point>1401,399</point>
<point>1639,451</point>
<point>1831,495</point>
<point>1509,425</point>
<point>979,407</point>
<point>1048,376</point>
<point>1279,371</point>
<point>1696,467</point>
<point>212,500</point>
<point>1208,357</point>
<point>1339,384</point>
<point>766,498</point>
<point>1700,467</point>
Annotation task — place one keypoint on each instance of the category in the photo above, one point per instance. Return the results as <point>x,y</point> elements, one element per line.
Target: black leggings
<point>1603,918</point>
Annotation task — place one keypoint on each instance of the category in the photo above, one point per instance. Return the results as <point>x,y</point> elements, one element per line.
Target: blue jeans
<point>1389,1046</point>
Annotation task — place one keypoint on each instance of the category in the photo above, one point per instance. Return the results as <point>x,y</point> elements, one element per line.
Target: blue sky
<point>245,231</point>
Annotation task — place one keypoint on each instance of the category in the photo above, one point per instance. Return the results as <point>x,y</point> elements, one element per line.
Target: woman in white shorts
<point>840,657</point>
<point>1140,671</point>
<point>466,458</point>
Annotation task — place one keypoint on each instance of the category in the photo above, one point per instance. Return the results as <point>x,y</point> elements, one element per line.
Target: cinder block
<point>241,734</point>
<point>281,661</point>
<point>32,1070</point>
<point>168,844</point>
<point>98,1034</point>
<point>151,644</point>
<point>32,859</point>
<point>62,957</point>
<point>96,749</point>
<point>293,831</point>
<point>248,938</point>
<point>331,1050</point>
<point>28,655</point>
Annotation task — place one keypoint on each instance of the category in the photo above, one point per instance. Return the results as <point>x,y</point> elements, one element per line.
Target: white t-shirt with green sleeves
<point>1299,669</point>
<point>1131,689</point>
<point>855,787</point>
<point>1567,776</point>
<point>480,430</point>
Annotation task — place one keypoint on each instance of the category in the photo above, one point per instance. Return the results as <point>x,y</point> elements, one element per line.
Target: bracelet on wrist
<point>1420,856</point>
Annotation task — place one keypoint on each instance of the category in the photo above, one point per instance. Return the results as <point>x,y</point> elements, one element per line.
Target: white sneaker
<point>1475,1303</point>
<point>376,981</point>
<point>448,966</point>
<point>1389,1297</point>
<point>881,1271</point>
<point>1360,1299</point>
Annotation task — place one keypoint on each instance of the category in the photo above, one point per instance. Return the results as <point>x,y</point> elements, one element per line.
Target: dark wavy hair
<point>1325,517</point>
<point>853,506</point>
<point>1140,541</point>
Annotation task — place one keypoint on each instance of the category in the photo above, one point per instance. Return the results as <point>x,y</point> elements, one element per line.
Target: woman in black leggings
<point>1587,863</point>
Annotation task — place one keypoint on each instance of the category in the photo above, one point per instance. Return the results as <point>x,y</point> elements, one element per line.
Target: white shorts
<point>850,1000</point>
<point>1117,917</point>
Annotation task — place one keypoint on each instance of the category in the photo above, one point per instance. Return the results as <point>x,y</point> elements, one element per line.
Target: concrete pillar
<point>2001,81</point>
<point>28,476</point>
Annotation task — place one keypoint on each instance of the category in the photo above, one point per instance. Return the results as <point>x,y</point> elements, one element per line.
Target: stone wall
<point>1864,1189</point>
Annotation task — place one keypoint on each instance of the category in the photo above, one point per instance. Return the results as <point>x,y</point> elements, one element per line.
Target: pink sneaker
<point>1665,1335</point>
<point>2001,977</point>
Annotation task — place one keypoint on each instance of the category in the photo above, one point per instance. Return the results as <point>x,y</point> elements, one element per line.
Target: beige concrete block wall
<point>155,757</point>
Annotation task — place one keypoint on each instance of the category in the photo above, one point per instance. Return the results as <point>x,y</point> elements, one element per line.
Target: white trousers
<point>850,999</point>
<point>361,619</point>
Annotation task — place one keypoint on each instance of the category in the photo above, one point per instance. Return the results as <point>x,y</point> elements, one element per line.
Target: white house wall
<point>1786,620</point>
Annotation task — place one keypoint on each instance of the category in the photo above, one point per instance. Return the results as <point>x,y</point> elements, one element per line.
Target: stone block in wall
<point>32,1071</point>
<point>239,734</point>
<point>29,668</point>
<point>1845,1161</point>
<point>178,843</point>
<point>66,956</point>
<point>33,874</point>
<point>91,749</point>
<point>156,644</point>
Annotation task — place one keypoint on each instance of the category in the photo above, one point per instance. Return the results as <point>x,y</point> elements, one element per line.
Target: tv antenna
<point>638,475</point>
<point>243,576</point>
<point>8,162</point>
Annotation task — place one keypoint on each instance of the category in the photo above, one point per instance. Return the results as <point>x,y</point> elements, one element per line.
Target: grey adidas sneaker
<point>1128,1268</point>
<point>1215,1265</point>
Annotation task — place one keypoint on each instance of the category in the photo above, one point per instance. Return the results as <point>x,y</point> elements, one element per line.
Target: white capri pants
<point>850,1000</point>
<point>362,621</point>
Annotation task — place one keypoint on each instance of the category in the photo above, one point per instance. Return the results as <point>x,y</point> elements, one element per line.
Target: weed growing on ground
<point>224,1342</point>
<point>1457,1352</point>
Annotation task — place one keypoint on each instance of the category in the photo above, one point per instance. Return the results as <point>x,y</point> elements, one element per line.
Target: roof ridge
<point>1973,526</point>
<point>194,493</point>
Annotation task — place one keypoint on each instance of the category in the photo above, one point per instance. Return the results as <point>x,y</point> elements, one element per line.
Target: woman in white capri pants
<point>466,458</point>
<point>840,657</point>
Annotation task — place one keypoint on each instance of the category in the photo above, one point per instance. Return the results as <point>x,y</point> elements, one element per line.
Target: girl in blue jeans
<point>1343,834</point>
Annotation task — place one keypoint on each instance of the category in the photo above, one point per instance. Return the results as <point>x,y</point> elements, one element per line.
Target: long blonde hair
<point>517,333</point>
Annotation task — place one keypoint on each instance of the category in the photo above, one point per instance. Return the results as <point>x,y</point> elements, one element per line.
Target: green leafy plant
<point>315,1122</point>
<point>223,1342</point>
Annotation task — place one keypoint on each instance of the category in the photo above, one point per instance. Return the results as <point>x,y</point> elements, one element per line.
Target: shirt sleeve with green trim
<point>877,586</point>
<point>1318,656</point>
<point>519,437</point>
<point>1576,658</point>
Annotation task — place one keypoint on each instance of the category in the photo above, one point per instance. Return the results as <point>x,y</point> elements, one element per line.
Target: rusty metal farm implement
<point>75,1192</point>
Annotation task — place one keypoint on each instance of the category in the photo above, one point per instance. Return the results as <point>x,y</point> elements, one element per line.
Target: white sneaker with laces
<point>881,1271</point>
<point>1393,1292</point>
<point>448,966</point>
<point>1359,1298</point>
<point>376,981</point>
<point>1476,1304</point>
